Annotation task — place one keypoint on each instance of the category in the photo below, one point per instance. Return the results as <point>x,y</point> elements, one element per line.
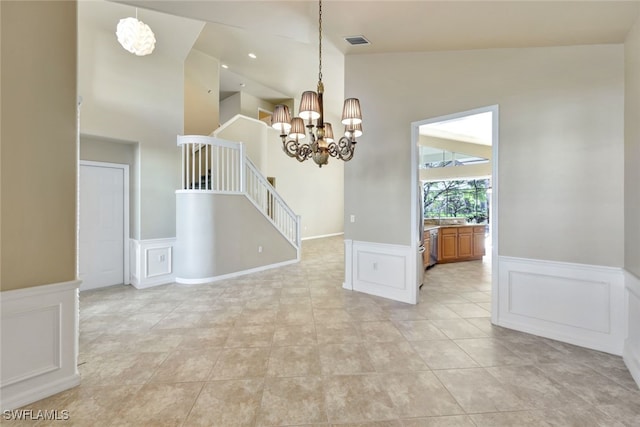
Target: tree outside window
<point>459,198</point>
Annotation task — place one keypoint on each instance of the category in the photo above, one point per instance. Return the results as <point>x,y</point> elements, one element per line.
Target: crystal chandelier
<point>135,36</point>
<point>321,143</point>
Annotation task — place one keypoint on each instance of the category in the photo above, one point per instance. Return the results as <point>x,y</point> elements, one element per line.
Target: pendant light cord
<point>320,41</point>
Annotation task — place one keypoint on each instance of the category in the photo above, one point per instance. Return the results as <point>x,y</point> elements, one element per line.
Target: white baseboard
<point>39,342</point>
<point>234,274</point>
<point>631,353</point>
<point>322,236</point>
<point>575,303</point>
<point>384,270</point>
<point>151,262</point>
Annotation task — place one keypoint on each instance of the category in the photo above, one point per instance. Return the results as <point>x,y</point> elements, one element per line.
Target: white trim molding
<point>574,303</point>
<point>152,262</point>
<point>212,279</point>
<point>381,269</point>
<point>631,352</point>
<point>39,342</point>
<point>322,236</point>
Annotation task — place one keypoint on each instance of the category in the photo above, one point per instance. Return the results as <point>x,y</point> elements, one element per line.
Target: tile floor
<point>291,347</point>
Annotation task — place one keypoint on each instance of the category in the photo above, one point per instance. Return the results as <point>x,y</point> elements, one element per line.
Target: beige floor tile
<point>257,316</point>
<point>119,368</point>
<point>383,331</point>
<point>419,394</point>
<point>330,315</point>
<point>433,311</point>
<point>443,354</point>
<point>458,328</point>
<point>85,404</point>
<point>341,332</point>
<point>290,401</point>
<point>186,365</point>
<point>476,390</point>
<point>241,363</point>
<point>534,388</point>
<point>344,359</point>
<point>294,361</point>
<point>132,342</point>
<point>227,403</point>
<point>173,332</point>
<point>446,421</point>
<point>250,336</point>
<point>419,330</point>
<point>596,389</point>
<point>469,310</point>
<point>159,405</point>
<point>357,398</point>
<point>489,352</point>
<point>579,416</point>
<point>295,315</point>
<point>195,338</point>
<point>294,335</point>
<point>394,357</point>
<point>509,419</point>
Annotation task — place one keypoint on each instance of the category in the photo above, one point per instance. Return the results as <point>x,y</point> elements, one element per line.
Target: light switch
<point>353,218</point>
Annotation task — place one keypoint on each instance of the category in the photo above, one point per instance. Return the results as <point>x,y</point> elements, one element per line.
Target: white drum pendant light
<point>135,36</point>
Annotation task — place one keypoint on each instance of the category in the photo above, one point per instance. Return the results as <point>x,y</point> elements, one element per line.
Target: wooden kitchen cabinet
<point>462,243</point>
<point>478,241</point>
<point>447,244</point>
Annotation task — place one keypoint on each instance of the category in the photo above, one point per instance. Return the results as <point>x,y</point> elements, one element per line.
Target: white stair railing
<point>215,165</point>
<point>269,202</point>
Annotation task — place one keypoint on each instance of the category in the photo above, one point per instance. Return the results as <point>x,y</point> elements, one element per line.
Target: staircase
<point>213,170</point>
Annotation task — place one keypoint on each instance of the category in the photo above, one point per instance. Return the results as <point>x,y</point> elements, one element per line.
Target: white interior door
<point>102,224</point>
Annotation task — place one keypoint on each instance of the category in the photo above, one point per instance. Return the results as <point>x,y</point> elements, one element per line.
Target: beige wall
<point>201,93</point>
<point>632,151</point>
<point>560,151</point>
<point>316,194</point>
<point>39,126</point>
<point>140,99</point>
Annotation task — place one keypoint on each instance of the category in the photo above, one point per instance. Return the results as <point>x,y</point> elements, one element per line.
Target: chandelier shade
<point>281,119</point>
<point>351,112</point>
<point>321,143</point>
<point>135,36</point>
<point>355,130</point>
<point>297,128</point>
<point>309,106</point>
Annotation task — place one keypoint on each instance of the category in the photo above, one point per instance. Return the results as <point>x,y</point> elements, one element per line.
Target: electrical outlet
<point>259,249</point>
<point>162,258</point>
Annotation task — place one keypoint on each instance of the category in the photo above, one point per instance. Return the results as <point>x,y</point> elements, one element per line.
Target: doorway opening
<point>454,159</point>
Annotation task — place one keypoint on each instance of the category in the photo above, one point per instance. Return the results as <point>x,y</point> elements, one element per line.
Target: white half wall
<point>39,342</point>
<point>574,303</point>
<point>632,343</point>
<point>151,262</point>
<point>384,270</point>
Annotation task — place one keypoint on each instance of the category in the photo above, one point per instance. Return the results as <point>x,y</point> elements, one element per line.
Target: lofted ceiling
<point>284,34</point>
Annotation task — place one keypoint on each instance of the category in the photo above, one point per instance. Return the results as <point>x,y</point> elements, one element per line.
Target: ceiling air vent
<point>357,40</point>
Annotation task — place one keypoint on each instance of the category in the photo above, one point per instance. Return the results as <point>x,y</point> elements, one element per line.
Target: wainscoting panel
<point>574,303</point>
<point>39,342</point>
<point>632,343</point>
<point>152,262</point>
<point>383,270</point>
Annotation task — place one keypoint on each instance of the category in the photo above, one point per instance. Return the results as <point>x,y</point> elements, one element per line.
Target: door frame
<point>125,214</point>
<point>415,174</point>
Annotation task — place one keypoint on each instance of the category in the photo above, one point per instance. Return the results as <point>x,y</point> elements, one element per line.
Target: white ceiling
<point>283,34</point>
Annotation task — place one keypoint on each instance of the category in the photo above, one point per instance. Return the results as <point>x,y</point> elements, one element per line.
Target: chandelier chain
<point>320,41</point>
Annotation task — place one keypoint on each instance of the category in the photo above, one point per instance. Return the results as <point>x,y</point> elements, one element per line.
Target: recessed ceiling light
<point>225,66</point>
<point>252,55</point>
